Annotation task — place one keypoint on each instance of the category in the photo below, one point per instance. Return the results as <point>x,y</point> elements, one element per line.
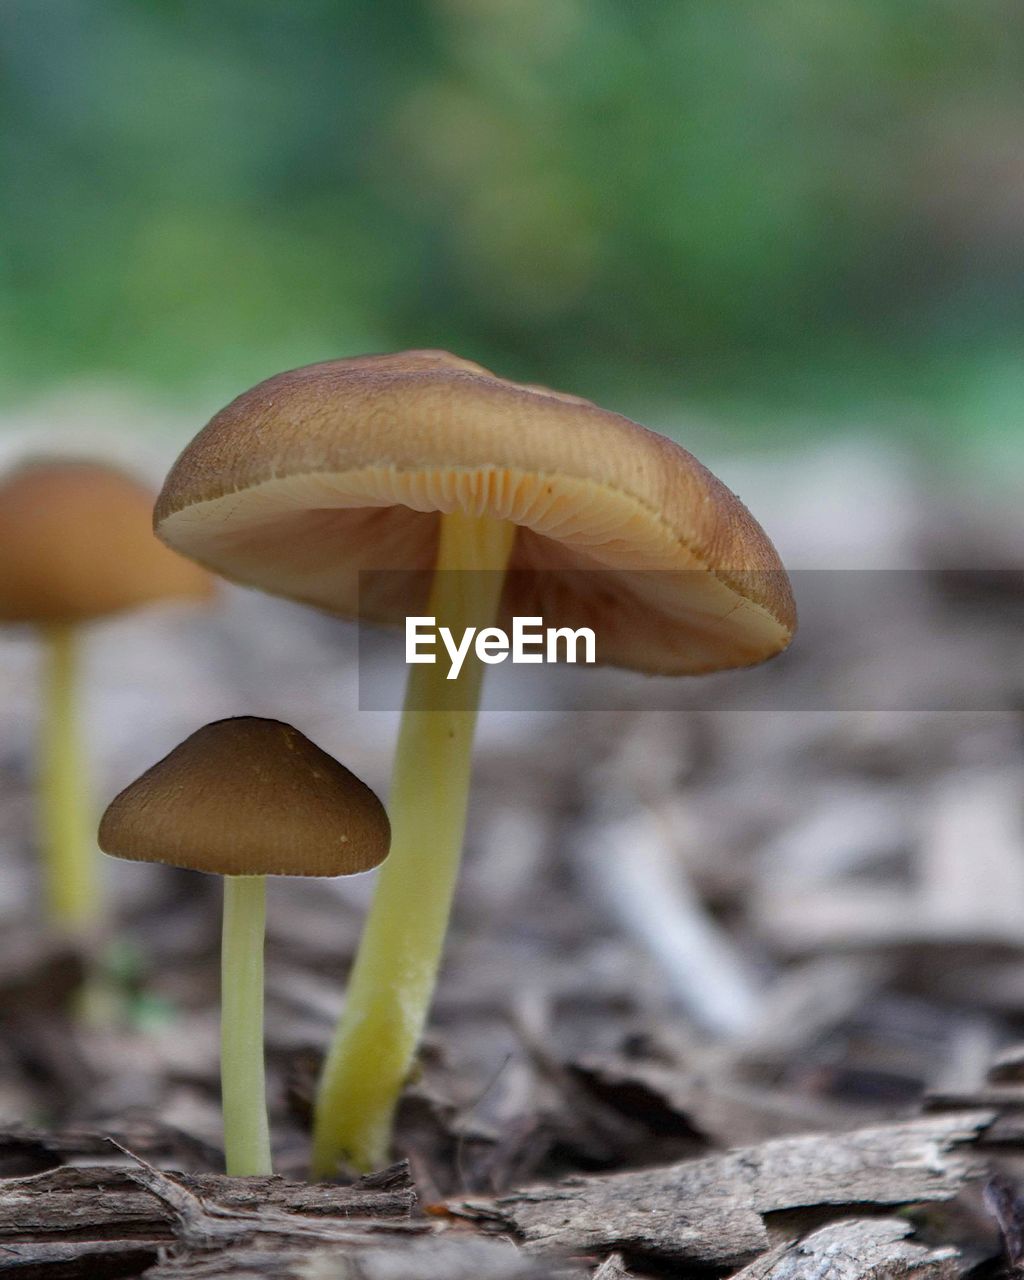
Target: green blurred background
<point>773,220</point>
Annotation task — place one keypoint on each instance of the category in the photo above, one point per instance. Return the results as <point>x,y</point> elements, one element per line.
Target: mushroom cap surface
<point>76,542</point>
<point>317,475</point>
<point>247,797</point>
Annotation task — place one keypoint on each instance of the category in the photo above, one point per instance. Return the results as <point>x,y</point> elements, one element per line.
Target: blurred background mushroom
<point>77,544</point>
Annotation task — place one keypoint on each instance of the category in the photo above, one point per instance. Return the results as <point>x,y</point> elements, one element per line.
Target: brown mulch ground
<point>731,991</point>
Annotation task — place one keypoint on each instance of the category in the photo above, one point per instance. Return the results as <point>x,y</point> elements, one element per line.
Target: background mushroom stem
<point>243,1085</point>
<point>395,970</point>
<point>70,857</point>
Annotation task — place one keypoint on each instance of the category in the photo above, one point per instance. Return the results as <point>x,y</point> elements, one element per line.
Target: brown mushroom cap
<point>247,797</point>
<point>76,542</point>
<point>324,471</point>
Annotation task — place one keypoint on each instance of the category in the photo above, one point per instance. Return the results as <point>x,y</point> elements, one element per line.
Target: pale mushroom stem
<point>393,978</point>
<point>243,1085</point>
<point>70,860</point>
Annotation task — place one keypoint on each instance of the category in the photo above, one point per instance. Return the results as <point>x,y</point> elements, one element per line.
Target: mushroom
<point>426,462</point>
<point>247,798</point>
<point>76,542</point>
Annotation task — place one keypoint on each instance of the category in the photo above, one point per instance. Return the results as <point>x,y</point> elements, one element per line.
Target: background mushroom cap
<point>322,472</point>
<point>246,797</point>
<point>76,542</point>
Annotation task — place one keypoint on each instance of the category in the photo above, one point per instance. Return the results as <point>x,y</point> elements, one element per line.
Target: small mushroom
<point>246,798</point>
<point>426,462</point>
<point>76,543</point>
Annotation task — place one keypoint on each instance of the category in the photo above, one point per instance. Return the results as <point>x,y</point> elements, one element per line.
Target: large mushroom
<point>426,462</point>
<point>76,543</point>
<point>244,799</point>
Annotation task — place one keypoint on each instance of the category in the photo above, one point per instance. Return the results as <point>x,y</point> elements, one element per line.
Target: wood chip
<point>112,1220</point>
<point>89,1259</point>
<point>432,1258</point>
<point>25,1150</point>
<point>1008,1066</point>
<point>971,857</point>
<point>670,1100</point>
<point>856,1249</point>
<point>613,1268</point>
<point>114,1198</point>
<point>712,1210</point>
<point>624,857</point>
<point>1003,1201</point>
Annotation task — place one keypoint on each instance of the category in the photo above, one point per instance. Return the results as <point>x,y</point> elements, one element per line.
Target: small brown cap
<point>249,797</point>
<point>76,542</point>
<point>319,473</point>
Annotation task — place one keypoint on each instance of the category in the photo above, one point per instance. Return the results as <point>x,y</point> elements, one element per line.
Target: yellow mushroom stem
<point>71,863</point>
<point>242,1073</point>
<point>395,971</point>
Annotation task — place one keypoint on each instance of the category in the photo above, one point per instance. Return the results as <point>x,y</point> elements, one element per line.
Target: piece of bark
<point>25,1150</point>
<point>971,856</point>
<point>808,1000</point>
<point>1006,1133</point>
<point>712,1211</point>
<point>106,1221</point>
<point>141,1201</point>
<point>1008,1066</point>
<point>1002,1100</point>
<point>855,1249</point>
<point>709,1104</point>
<point>99,1221</point>
<point>845,917</point>
<point>969,873</point>
<point>80,1260</point>
<point>976,977</point>
<point>623,855</point>
<point>455,1257</point>
<point>139,1143</point>
<point>971,1043</point>
<point>1003,1201</point>
<point>613,1268</point>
